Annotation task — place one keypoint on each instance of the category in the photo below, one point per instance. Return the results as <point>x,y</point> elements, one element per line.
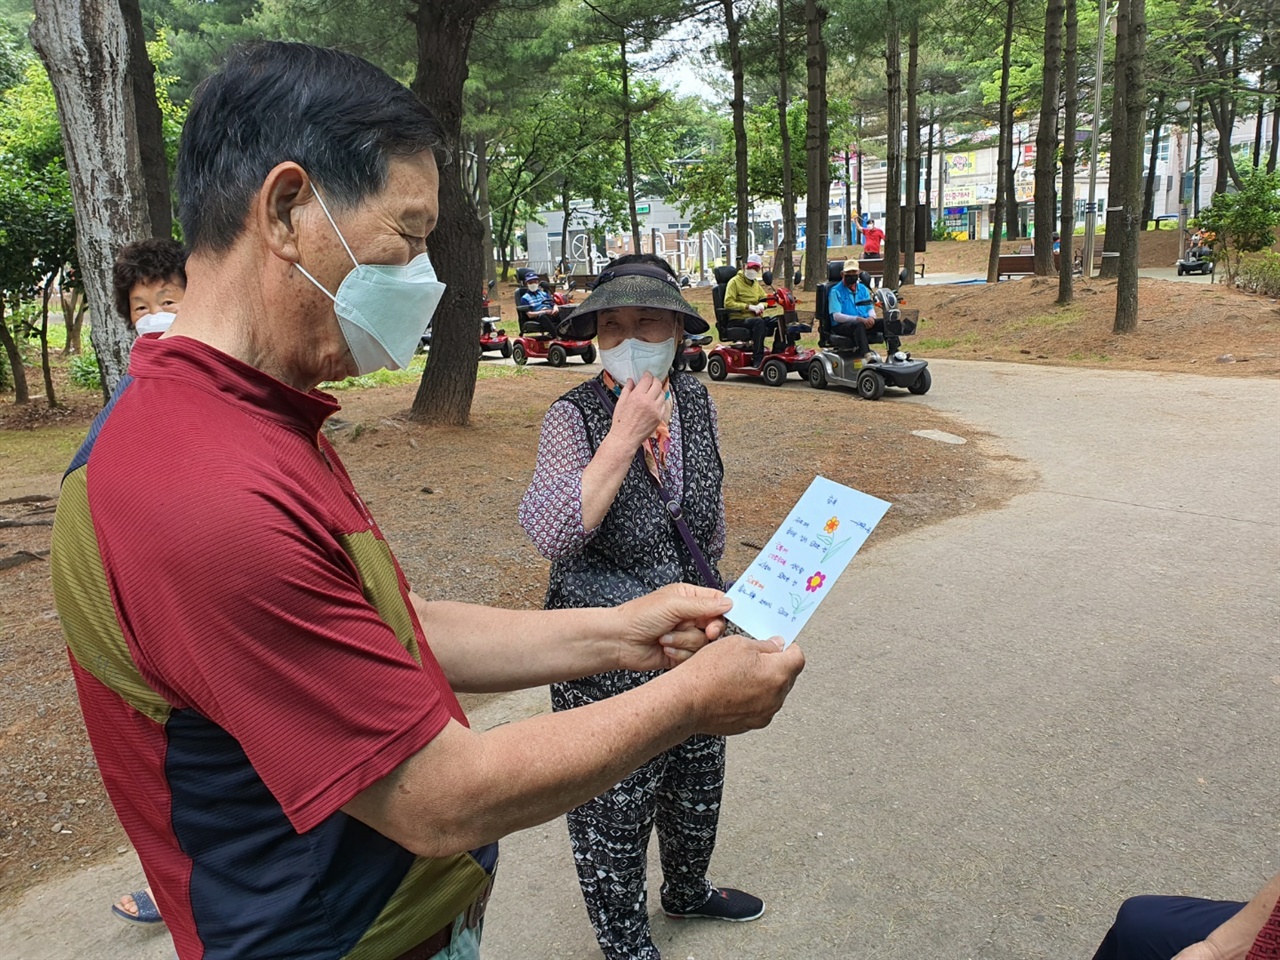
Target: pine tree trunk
<point>84,47</point>
<point>1067,225</point>
<point>627,159</point>
<point>1047,141</point>
<point>1135,86</point>
<point>815,144</point>
<point>448,384</point>
<point>72,302</point>
<point>566,211</point>
<point>142,82</point>
<point>893,148</point>
<point>1149,181</point>
<point>484,208</point>
<point>1118,173</point>
<point>47,292</point>
<point>928,172</point>
<point>913,151</point>
<point>738,104</point>
<point>1004,173</point>
<point>784,264</point>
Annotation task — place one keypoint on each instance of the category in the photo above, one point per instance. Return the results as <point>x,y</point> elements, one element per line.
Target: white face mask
<point>532,286</point>
<point>154,323</point>
<point>752,275</point>
<point>383,310</point>
<point>632,359</point>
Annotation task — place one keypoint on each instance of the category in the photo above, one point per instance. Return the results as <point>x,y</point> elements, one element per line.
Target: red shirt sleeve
<point>238,602</point>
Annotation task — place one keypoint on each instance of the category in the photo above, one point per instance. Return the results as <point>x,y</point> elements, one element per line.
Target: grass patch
<point>1078,357</point>
<point>1055,319</point>
<point>28,453</point>
<point>413,373</point>
<point>924,344</point>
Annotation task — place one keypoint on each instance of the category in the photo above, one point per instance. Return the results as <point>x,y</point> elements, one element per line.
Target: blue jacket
<point>855,303</point>
<point>537,301</point>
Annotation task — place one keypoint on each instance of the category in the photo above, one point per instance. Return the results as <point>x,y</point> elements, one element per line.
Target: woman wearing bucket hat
<point>627,497</point>
<point>744,297</point>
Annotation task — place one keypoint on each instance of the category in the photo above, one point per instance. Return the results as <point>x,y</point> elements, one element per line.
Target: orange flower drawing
<point>832,525</point>
<point>814,583</point>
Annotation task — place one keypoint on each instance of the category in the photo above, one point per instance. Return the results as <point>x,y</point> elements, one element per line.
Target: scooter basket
<point>902,323</point>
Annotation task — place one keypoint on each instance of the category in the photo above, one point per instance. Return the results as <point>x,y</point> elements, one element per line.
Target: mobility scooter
<point>836,362</point>
<point>733,353</point>
<point>491,336</point>
<point>548,337</point>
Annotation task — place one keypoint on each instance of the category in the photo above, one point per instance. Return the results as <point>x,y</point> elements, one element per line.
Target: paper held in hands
<point>778,593</point>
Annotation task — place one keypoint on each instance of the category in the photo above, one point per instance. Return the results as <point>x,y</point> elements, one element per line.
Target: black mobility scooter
<point>836,361</point>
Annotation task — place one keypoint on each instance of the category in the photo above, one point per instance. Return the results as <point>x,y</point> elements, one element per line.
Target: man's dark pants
<point>1157,928</point>
<point>860,336</point>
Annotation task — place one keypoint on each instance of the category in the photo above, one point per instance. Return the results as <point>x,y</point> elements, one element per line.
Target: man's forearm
<point>489,650</point>
<point>1234,938</point>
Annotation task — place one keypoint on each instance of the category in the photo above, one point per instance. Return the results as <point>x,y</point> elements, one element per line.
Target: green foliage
<point>84,370</point>
<point>29,120</point>
<point>1261,274</point>
<point>1245,221</point>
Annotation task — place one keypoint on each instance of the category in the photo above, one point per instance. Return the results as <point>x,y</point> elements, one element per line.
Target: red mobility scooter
<point>733,353</point>
<point>548,336</point>
<point>492,337</point>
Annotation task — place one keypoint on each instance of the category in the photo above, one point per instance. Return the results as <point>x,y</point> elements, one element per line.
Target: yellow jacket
<point>740,293</point>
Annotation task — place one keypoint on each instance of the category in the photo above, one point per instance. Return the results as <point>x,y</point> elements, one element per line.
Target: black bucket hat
<point>634,285</point>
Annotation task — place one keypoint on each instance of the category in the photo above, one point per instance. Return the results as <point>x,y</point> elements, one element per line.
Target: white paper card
<point>777,594</point>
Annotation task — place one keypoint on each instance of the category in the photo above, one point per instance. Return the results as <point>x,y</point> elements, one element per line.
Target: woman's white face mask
<point>632,359</point>
<point>752,274</point>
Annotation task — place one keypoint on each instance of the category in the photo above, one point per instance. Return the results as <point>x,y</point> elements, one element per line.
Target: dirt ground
<point>446,499</point>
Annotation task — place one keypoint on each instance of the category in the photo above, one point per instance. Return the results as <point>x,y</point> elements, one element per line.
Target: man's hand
<point>669,625</point>
<point>739,684</point>
<point>868,322</point>
<point>757,309</point>
<point>638,411</point>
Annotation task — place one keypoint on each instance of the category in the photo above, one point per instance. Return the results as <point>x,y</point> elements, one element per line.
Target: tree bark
<point>1118,173</point>
<point>893,149</point>
<point>142,83</point>
<point>928,172</point>
<point>448,384</point>
<point>84,47</point>
<point>815,145</point>
<point>72,302</point>
<point>739,107</point>
<point>17,370</point>
<point>566,211</point>
<point>1071,84</point>
<point>1135,86</point>
<point>628,162</point>
<point>47,292</point>
<point>1149,182</point>
<point>1004,173</point>
<point>1047,141</point>
<point>913,150</point>
<point>484,208</point>
<point>1275,120</point>
<point>783,265</point>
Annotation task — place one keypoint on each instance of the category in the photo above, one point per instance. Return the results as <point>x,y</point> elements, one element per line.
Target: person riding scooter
<point>744,298</point>
<point>852,310</point>
<point>540,303</point>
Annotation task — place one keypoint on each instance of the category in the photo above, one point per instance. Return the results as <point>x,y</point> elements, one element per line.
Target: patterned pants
<point>679,791</point>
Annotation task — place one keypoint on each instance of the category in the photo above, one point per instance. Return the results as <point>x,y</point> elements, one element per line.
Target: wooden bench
<point>875,267</point>
<point>1016,265</point>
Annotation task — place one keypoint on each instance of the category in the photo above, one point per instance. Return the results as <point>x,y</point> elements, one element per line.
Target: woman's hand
<point>638,411</point>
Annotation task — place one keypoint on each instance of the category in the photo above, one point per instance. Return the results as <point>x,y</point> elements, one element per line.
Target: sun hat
<point>634,285</point>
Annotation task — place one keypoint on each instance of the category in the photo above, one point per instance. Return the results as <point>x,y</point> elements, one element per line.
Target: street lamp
<point>1183,106</point>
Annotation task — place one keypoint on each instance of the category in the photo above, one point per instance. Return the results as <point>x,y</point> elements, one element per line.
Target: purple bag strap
<point>674,511</point>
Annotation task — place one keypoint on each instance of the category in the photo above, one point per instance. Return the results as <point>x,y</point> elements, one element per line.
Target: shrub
<point>1261,274</point>
<point>84,369</point>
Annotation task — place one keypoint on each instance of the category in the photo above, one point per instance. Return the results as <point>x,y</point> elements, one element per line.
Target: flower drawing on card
<point>827,539</point>
<point>815,582</point>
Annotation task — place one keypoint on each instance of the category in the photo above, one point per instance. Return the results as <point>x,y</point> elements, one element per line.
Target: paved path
<point>1008,723</point>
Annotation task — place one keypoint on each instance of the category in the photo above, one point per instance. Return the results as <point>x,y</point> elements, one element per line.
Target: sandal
<point>147,911</point>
